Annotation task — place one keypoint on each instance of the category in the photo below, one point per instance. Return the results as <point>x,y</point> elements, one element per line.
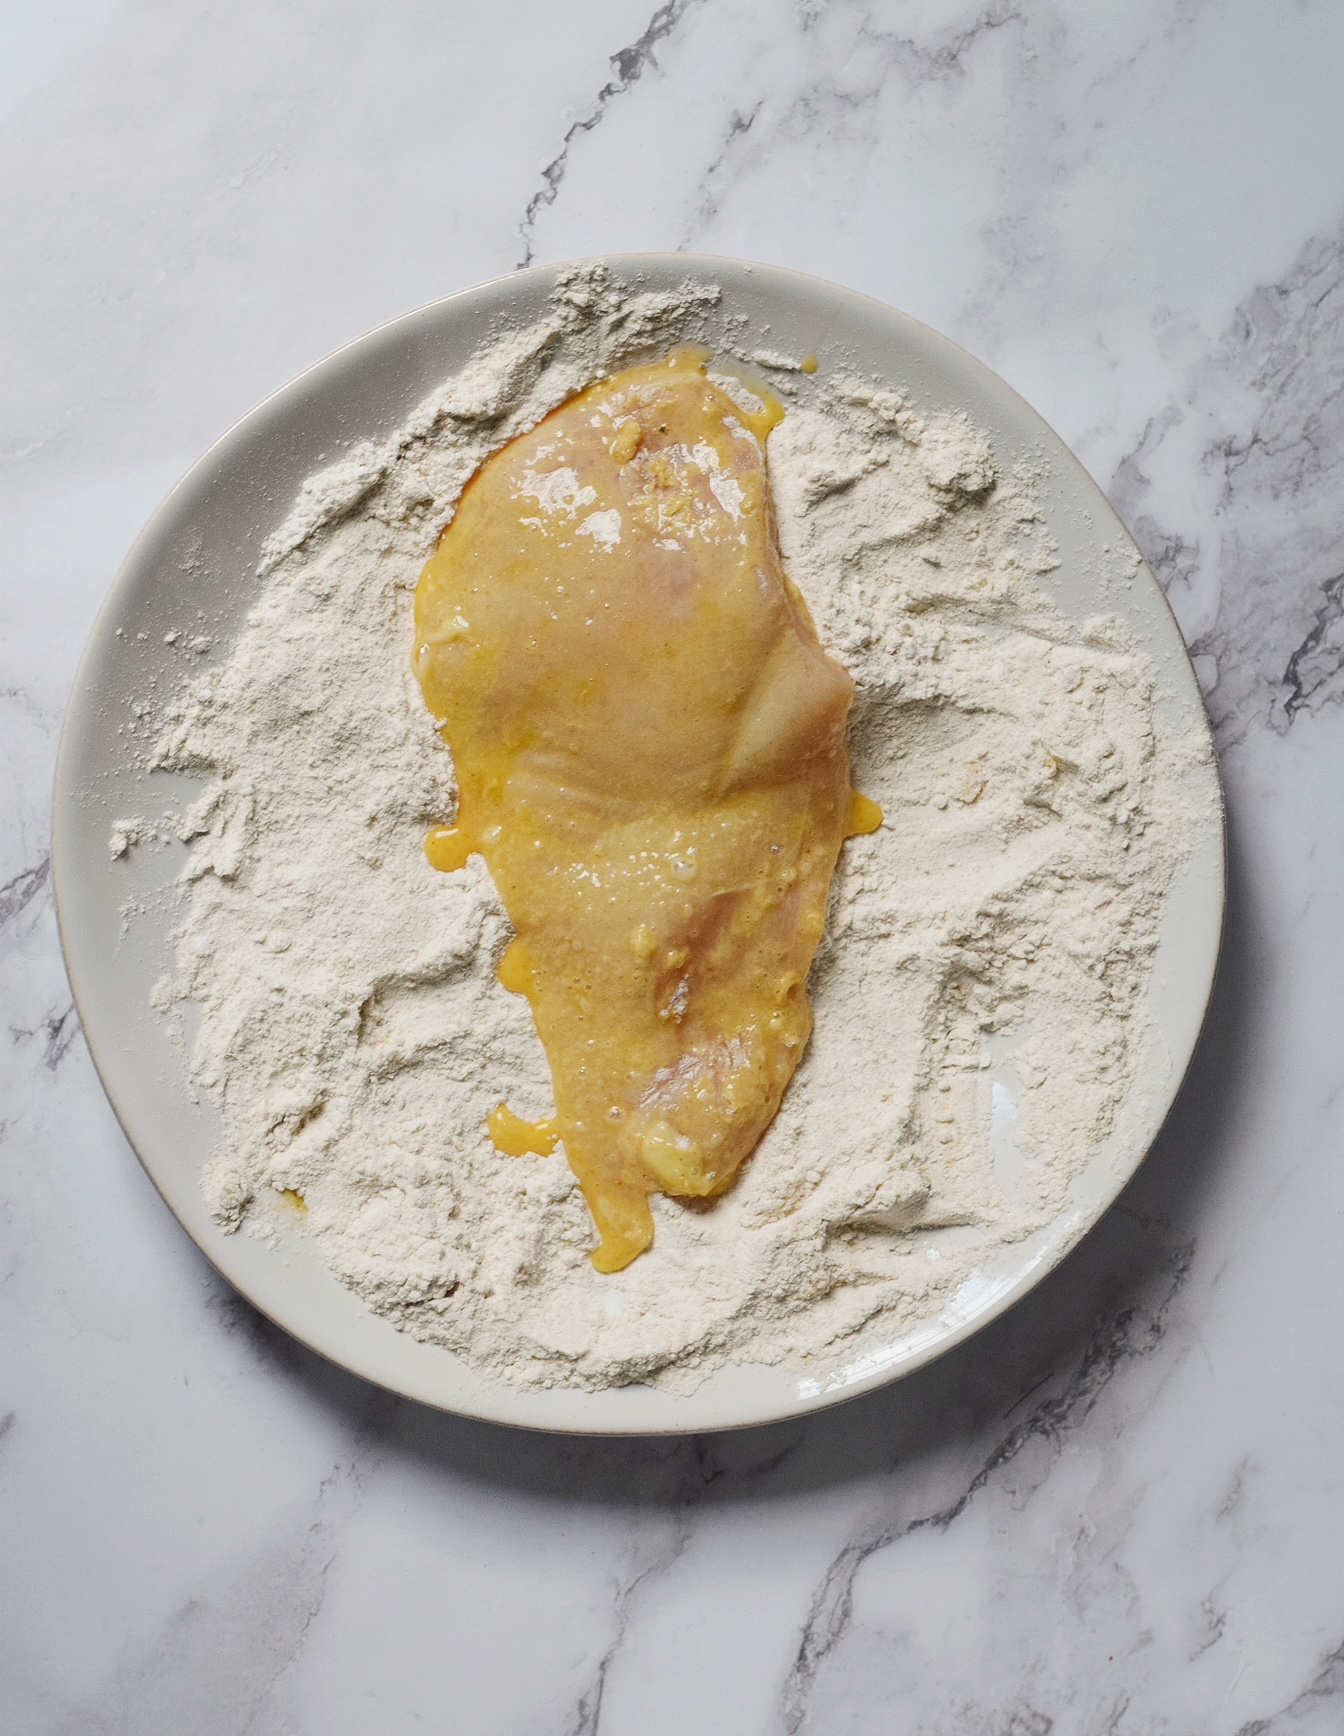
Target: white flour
<point>987,950</point>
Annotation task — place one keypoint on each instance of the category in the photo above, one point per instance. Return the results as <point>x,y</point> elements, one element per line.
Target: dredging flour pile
<point>978,995</point>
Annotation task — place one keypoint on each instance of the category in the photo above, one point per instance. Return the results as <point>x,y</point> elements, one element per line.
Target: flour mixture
<point>978,995</point>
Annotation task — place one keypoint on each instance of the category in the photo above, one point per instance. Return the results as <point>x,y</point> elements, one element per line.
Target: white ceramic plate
<point>199,553</point>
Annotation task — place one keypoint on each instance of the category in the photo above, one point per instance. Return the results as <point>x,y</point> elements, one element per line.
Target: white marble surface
<point>1120,1510</point>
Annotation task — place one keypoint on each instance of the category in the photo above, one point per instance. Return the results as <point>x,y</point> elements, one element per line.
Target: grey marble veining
<point>1258,421</point>
<point>1118,1511</point>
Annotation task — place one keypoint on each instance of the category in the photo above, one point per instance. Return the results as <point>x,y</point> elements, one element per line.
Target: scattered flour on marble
<point>978,995</point>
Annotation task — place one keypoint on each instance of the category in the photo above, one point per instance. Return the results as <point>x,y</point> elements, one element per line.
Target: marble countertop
<point>1118,1511</point>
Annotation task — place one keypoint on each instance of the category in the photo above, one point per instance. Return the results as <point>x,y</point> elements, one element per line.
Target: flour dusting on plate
<point>979,996</point>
